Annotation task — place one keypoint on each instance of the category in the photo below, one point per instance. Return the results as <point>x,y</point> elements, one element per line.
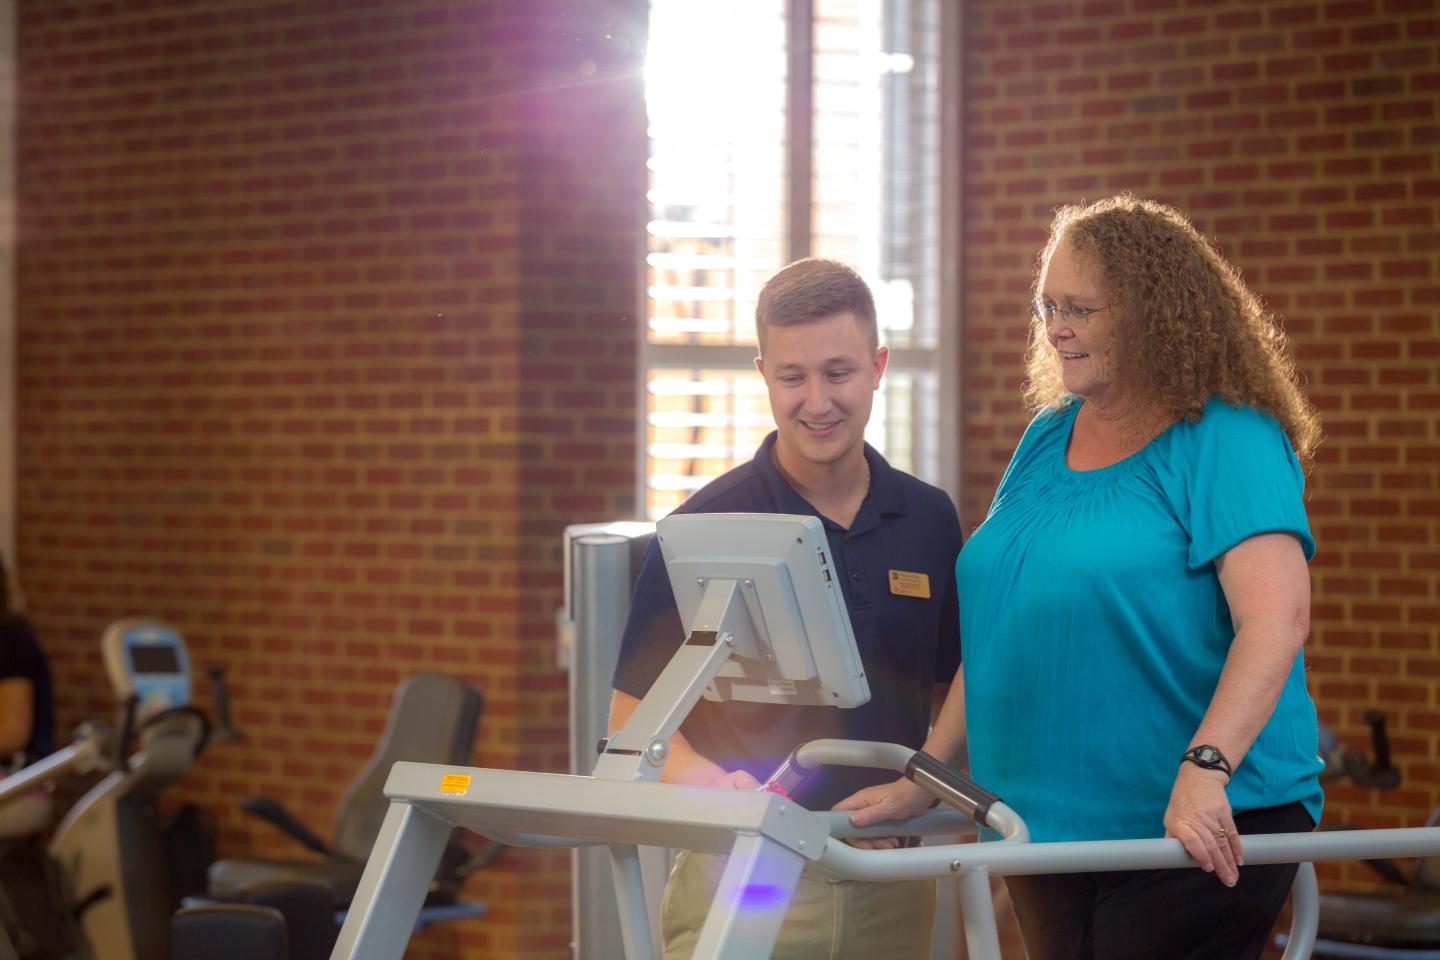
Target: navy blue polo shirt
<point>907,643</point>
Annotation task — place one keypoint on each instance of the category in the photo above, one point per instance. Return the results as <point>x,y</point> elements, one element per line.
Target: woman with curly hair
<point>1133,607</point>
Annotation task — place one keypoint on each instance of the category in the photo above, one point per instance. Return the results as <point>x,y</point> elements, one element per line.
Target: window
<point>781,129</point>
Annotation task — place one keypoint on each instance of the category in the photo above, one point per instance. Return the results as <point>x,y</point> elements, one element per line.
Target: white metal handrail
<point>770,839</point>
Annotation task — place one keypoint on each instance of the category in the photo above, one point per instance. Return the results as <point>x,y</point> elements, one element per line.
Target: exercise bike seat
<point>1403,916</point>
<point>433,718</point>
<point>1407,918</point>
<point>235,879</point>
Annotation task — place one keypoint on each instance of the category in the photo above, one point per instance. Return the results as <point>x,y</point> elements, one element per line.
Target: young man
<point>822,363</point>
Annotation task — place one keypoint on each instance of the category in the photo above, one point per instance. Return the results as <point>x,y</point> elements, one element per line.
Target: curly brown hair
<point>1186,327</point>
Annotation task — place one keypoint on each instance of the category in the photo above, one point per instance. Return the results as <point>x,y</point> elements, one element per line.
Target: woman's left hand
<point>1199,817</point>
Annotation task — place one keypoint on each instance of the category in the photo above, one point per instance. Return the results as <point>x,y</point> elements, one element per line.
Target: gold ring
<point>1222,834</point>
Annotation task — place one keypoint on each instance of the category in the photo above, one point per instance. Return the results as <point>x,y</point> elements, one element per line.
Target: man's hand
<point>735,780</point>
<point>1199,816</point>
<point>897,800</point>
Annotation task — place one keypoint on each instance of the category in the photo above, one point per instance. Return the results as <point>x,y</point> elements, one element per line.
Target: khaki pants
<point>828,919</point>
<point>30,812</point>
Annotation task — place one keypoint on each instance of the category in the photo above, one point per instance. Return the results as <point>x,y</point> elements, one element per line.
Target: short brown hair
<point>813,289</point>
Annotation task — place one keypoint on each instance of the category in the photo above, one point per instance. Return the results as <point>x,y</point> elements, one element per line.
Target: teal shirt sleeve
<point>1231,476</point>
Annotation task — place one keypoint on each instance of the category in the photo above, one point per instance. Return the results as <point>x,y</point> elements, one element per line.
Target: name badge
<point>903,583</point>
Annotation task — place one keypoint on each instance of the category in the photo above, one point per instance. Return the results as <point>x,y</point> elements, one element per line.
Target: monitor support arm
<point>724,625</point>
<point>722,628</point>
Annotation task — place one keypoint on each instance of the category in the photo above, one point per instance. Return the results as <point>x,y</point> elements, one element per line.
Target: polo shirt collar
<point>886,496</point>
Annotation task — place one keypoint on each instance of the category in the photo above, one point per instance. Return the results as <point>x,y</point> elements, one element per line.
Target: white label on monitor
<point>781,688</point>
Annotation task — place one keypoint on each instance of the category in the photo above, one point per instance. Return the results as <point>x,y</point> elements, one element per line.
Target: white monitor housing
<point>792,637</point>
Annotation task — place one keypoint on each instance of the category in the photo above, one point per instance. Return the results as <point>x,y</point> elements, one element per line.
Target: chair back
<point>229,931</point>
<point>433,718</point>
<point>309,912</point>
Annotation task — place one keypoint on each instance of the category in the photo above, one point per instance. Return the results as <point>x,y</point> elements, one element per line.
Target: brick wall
<point>325,331</point>
<point>1304,137</point>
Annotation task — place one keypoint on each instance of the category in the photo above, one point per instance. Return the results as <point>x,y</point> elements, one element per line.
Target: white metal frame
<point>767,836</point>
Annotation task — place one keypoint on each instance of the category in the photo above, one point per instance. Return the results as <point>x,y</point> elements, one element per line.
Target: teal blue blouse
<point>1093,627</point>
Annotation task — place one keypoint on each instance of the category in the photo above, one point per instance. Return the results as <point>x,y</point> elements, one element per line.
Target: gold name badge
<point>903,583</point>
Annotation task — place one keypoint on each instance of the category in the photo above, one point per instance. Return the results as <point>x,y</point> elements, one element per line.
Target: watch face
<point>1207,754</point>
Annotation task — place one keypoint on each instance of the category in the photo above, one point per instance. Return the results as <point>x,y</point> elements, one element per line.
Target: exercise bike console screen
<point>154,658</point>
<point>796,644</point>
<point>148,659</point>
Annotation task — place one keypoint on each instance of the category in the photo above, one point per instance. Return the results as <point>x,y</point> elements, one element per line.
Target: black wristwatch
<point>1209,756</point>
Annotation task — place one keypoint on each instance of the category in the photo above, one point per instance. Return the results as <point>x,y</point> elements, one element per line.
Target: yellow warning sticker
<point>903,583</point>
<point>455,783</point>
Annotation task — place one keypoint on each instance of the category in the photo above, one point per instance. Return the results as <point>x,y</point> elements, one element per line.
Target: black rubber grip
<point>221,694</point>
<point>120,744</point>
<point>1379,740</point>
<point>955,788</point>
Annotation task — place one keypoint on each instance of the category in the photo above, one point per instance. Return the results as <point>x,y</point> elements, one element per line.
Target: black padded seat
<point>235,879</point>
<point>1387,918</point>
<point>1404,916</point>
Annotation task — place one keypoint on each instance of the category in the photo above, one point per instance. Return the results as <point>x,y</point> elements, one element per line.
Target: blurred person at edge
<point>27,718</point>
<point>822,363</point>
<point>1134,604</point>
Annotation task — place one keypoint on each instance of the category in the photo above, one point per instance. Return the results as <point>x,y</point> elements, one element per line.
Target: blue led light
<point>761,896</point>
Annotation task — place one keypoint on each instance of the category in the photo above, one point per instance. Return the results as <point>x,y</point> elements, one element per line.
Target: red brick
<point>1348,9</point>
<point>1209,98</point>
<point>315,386</point>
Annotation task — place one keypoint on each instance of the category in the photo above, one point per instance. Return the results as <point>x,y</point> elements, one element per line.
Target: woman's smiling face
<point>1080,323</point>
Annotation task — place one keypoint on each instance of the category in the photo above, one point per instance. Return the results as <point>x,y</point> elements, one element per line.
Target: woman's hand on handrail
<point>1199,816</point>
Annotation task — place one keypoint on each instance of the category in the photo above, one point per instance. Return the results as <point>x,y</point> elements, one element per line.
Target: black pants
<point>1150,914</point>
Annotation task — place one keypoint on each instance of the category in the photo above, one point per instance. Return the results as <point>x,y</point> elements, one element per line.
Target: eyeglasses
<point>1045,310</point>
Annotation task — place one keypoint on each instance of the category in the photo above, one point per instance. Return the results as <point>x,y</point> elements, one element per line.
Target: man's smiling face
<point>822,377</point>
